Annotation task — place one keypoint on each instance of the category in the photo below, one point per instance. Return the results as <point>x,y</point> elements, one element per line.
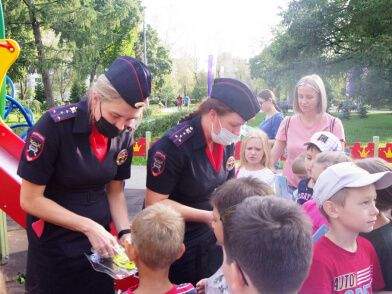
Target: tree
<point>86,35</point>
<point>158,57</point>
<point>100,32</point>
<point>199,92</point>
<point>39,92</point>
<point>330,38</point>
<point>78,89</point>
<point>183,71</point>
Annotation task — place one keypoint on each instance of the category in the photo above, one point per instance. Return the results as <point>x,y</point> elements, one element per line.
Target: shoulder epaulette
<point>181,134</point>
<point>63,112</point>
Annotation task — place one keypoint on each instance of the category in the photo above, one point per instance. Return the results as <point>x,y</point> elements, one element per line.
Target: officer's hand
<point>101,240</point>
<point>126,238</point>
<point>201,286</point>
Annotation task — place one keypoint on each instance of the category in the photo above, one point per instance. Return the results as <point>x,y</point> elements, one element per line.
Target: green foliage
<point>78,37</point>
<point>166,94</point>
<point>34,105</point>
<point>39,92</point>
<point>363,111</point>
<point>199,91</point>
<point>345,110</point>
<point>98,31</point>
<point>330,38</point>
<point>158,125</point>
<point>78,89</point>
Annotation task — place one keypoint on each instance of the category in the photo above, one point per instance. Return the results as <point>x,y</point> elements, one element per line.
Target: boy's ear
<point>181,251</point>
<point>330,209</point>
<point>130,250</point>
<point>237,279</point>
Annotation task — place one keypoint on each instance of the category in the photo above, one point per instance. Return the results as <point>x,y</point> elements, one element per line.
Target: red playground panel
<point>139,147</point>
<point>11,147</point>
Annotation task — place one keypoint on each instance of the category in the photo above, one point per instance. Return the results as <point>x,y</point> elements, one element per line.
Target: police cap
<point>131,78</point>
<point>237,96</point>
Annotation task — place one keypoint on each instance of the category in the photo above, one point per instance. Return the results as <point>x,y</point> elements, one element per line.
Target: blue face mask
<point>224,137</point>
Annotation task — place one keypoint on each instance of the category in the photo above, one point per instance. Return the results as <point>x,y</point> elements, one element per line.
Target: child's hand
<point>201,286</point>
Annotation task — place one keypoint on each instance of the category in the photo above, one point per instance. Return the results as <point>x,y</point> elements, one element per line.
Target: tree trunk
<point>41,54</point>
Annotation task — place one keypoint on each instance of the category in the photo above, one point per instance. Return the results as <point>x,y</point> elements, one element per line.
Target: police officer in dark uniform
<point>189,162</point>
<point>72,167</point>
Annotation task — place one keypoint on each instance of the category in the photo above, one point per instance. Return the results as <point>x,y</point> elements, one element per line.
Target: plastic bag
<point>118,266</point>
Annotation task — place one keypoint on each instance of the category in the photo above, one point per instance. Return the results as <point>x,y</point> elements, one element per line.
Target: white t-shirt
<point>266,175</point>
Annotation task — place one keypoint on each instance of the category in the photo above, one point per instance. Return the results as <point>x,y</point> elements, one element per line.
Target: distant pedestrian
<point>187,101</point>
<point>179,101</point>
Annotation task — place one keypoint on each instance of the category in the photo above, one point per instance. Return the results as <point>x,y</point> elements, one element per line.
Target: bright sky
<point>202,27</point>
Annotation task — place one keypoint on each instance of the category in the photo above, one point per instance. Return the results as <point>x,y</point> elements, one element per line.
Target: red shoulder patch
<point>158,163</point>
<point>34,146</point>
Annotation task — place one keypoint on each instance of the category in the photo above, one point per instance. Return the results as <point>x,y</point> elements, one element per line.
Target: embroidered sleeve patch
<point>34,146</point>
<point>158,163</point>
<point>230,163</point>
<point>122,156</point>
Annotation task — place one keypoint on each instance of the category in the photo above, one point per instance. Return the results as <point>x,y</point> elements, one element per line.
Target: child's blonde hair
<point>158,234</point>
<point>258,134</point>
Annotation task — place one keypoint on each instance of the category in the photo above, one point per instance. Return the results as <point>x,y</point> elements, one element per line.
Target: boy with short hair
<point>344,262</point>
<point>267,246</point>
<point>156,242</point>
<point>319,142</point>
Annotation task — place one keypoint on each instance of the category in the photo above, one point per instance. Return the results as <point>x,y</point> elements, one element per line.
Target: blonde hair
<point>316,83</point>
<point>104,88</point>
<point>158,233</point>
<point>106,92</point>
<point>257,134</point>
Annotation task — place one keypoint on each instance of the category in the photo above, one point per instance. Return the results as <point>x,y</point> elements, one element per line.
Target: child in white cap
<point>344,262</point>
<point>319,142</point>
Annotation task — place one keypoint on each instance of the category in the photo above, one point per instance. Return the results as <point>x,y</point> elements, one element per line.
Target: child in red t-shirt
<point>156,242</point>
<point>343,262</point>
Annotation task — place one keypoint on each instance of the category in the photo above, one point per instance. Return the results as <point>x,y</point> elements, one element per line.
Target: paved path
<point>134,194</point>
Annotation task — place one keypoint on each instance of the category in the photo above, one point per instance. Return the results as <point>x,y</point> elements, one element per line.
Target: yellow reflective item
<point>122,260</point>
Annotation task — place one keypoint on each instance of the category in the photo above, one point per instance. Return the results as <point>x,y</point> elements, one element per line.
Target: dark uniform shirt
<point>57,154</point>
<point>178,167</point>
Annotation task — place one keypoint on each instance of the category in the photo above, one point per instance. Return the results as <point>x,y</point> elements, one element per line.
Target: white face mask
<point>224,137</point>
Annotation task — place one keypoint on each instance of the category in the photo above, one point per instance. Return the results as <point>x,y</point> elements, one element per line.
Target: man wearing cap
<point>72,167</point>
<point>189,162</point>
<point>344,262</point>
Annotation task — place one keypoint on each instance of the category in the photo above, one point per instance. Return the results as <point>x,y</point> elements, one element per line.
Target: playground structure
<point>11,145</point>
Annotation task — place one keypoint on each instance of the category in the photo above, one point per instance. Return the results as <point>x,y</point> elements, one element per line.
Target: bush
<point>78,89</point>
<point>363,111</point>
<point>344,110</point>
<point>158,125</point>
<point>39,92</point>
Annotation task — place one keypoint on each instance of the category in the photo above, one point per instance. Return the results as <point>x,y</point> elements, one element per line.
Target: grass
<point>357,129</point>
